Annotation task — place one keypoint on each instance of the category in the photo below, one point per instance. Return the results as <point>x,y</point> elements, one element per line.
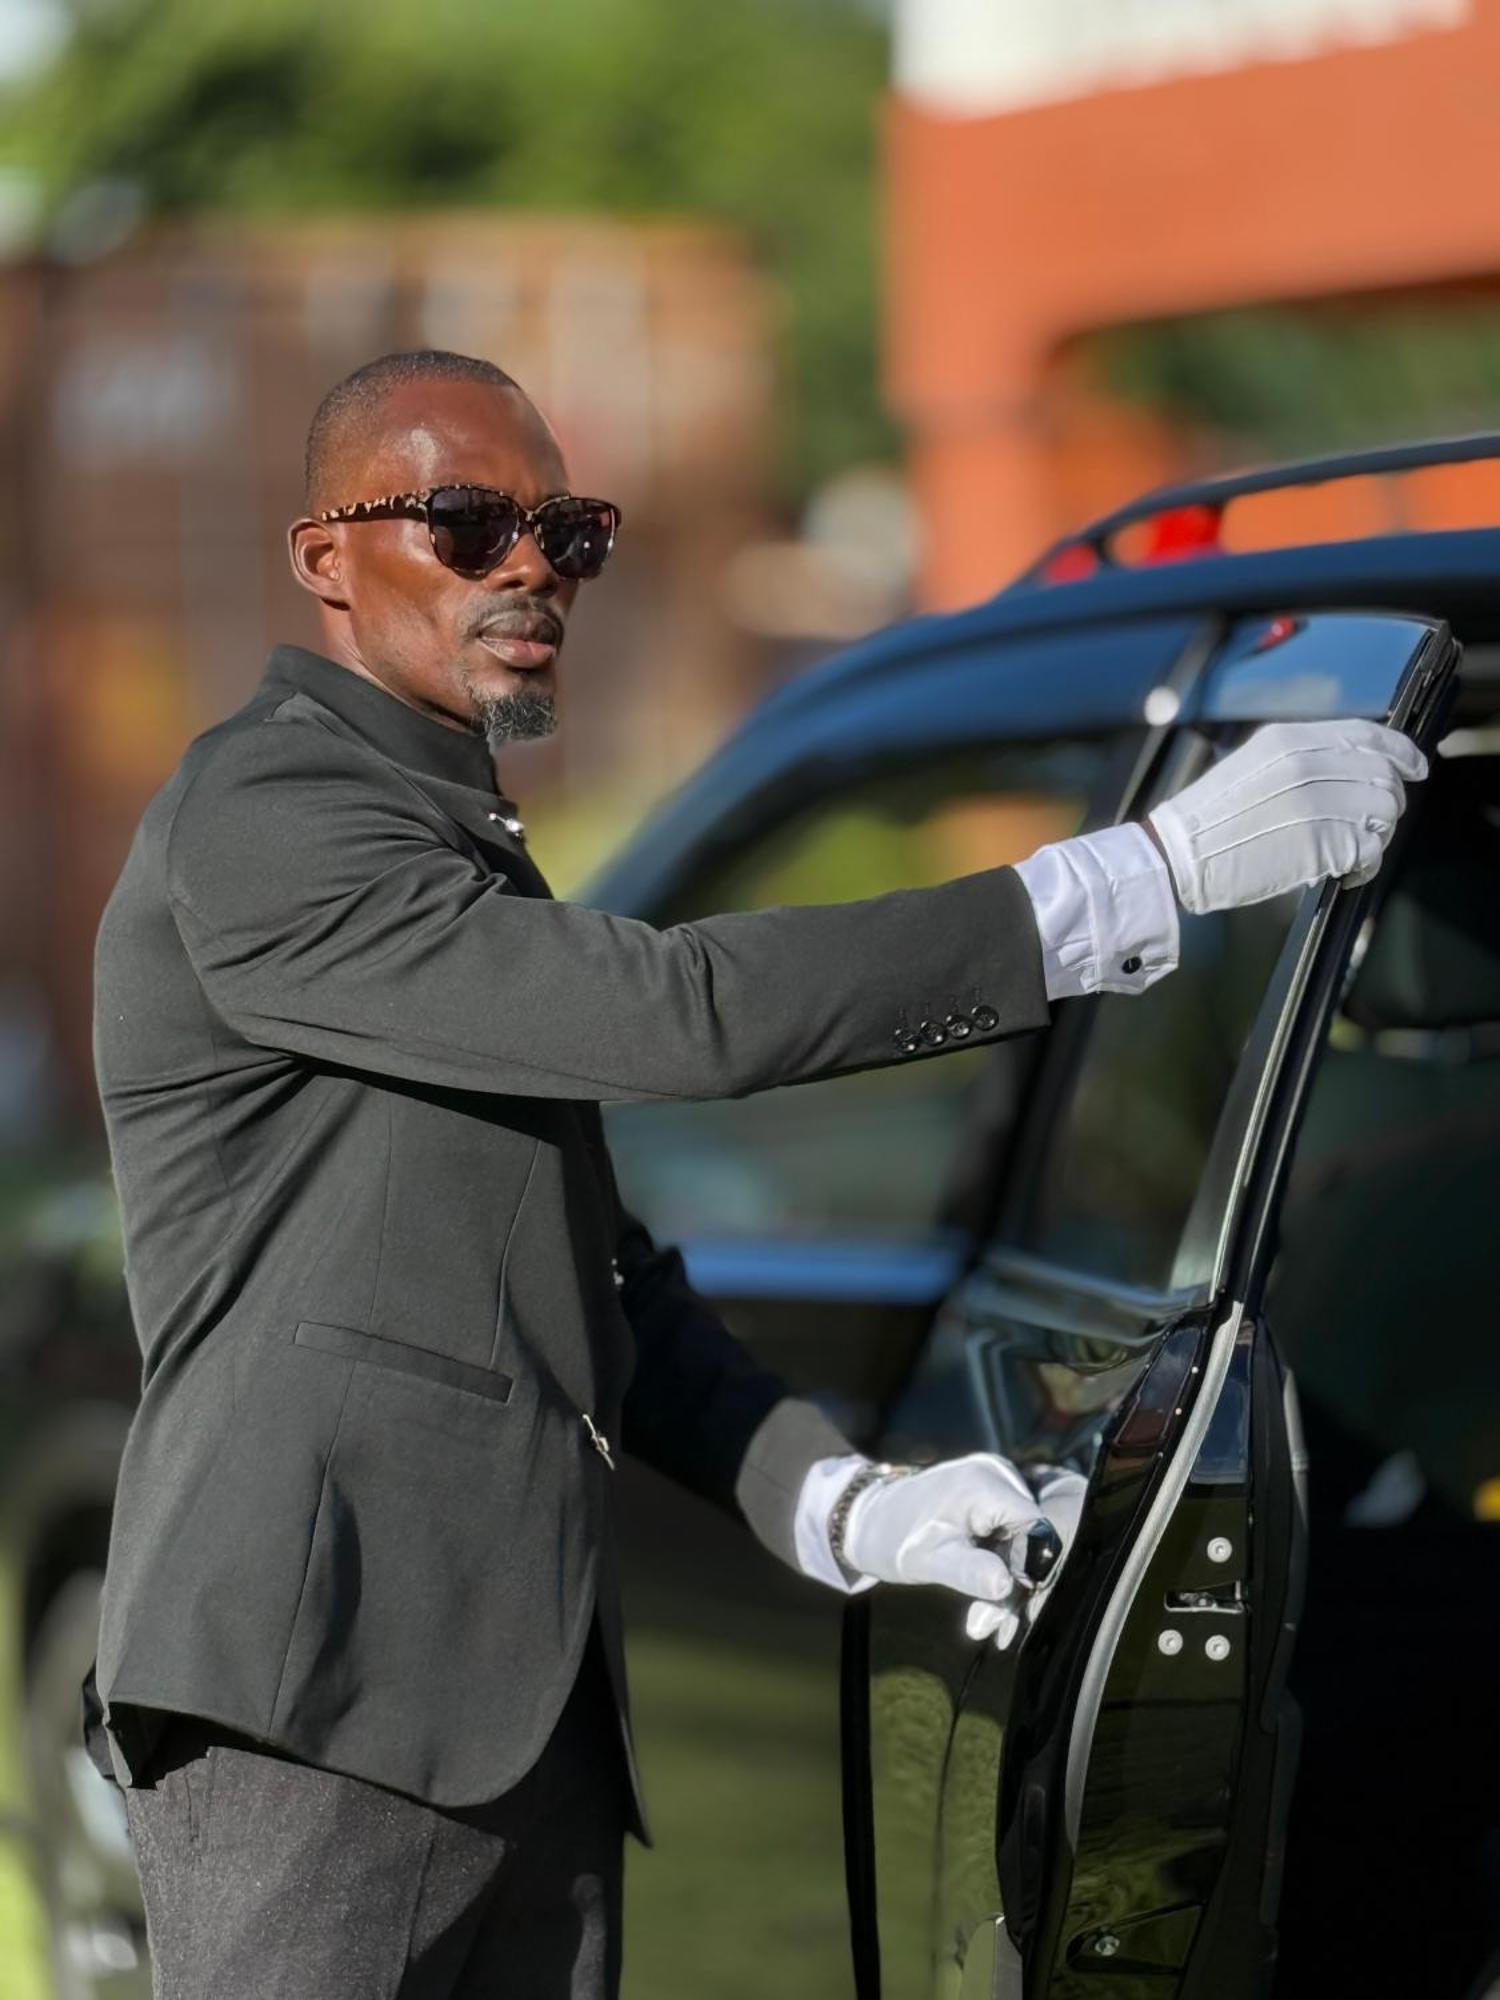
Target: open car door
<point>1101,1814</point>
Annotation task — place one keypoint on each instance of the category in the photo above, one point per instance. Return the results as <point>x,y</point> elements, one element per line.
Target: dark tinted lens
<point>471,528</point>
<point>575,535</point>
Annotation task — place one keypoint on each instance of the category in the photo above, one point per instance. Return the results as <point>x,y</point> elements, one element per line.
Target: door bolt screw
<point>1220,1549</point>
<point>1169,1642</point>
<point>1217,1648</point>
<point>1105,1945</point>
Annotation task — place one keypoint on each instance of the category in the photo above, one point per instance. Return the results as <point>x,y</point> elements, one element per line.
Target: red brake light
<point>1183,531</point>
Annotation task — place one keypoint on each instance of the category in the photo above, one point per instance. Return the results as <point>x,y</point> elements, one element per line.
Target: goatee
<point>516,718</point>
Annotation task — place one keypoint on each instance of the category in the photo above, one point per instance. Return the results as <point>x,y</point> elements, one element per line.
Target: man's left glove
<point>924,1527</point>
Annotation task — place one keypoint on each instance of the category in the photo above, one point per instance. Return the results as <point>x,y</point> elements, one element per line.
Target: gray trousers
<point>268,1879</point>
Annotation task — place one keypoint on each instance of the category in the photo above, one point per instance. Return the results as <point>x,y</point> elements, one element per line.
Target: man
<point>360,1658</point>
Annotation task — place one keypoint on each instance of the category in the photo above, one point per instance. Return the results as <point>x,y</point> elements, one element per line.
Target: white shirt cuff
<point>1105,910</point>
<point>825,1481</point>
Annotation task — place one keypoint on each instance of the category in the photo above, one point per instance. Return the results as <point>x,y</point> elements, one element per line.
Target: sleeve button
<point>985,1018</point>
<point>907,1042</point>
<point>959,1027</point>
<point>933,1033</point>
<point>1131,964</point>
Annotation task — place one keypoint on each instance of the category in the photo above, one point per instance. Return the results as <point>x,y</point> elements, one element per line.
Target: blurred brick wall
<point>153,408</point>
<point>1015,229</point>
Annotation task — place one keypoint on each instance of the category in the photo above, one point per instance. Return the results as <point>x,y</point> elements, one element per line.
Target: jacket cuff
<point>789,1441</point>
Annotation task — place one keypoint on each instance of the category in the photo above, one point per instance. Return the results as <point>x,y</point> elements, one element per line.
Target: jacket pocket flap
<point>352,1344</point>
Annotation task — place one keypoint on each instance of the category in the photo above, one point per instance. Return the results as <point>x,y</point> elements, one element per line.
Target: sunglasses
<point>472,528</point>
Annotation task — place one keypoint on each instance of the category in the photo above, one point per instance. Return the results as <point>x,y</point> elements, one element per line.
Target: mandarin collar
<point>403,733</point>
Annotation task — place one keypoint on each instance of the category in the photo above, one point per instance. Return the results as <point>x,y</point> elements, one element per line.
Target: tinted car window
<point>1337,663</point>
<point>1122,1167</point>
<point>1119,1182</point>
<point>867,1156</point>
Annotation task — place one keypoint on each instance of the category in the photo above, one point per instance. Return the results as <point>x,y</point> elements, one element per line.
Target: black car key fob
<point>1040,1554</point>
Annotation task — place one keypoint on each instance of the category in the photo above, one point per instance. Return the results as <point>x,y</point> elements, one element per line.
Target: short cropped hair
<point>356,399</point>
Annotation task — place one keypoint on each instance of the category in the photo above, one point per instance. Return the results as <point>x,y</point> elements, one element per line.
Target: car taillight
<point>1181,532</point>
<point>1171,536</point>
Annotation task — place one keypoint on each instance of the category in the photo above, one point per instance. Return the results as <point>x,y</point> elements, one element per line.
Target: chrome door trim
<point>1289,1024</point>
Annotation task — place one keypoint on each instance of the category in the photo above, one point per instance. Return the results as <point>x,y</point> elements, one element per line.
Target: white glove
<point>1299,801</point>
<point>921,1528</point>
<point>1060,1496</point>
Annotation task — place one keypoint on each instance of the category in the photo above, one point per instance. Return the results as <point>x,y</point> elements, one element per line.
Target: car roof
<point>1453,575</point>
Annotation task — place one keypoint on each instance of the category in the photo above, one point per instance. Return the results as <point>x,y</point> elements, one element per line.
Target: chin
<point>493,680</point>
<point>521,715</point>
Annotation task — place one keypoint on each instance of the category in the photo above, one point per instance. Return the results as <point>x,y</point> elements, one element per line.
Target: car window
<point>1285,668</point>
<point>1381,1296</point>
<point>868,1156</point>
<point>1121,1167</point>
<point>1122,1176</point>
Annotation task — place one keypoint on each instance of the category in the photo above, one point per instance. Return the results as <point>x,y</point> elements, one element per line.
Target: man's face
<point>475,652</point>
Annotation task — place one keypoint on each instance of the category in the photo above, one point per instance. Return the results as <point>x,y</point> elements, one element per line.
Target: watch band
<point>873,1474</point>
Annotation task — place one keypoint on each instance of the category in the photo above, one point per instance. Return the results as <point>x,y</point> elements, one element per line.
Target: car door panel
<point>1142,1745</point>
<point>1150,1739</point>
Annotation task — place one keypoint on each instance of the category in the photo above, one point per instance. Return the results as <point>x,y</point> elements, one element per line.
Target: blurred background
<point>854,306</point>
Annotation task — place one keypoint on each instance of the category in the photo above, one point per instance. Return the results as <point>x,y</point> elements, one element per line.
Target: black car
<point>1226,1247</point>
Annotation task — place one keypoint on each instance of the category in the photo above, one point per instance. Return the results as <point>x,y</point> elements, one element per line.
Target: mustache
<point>517,621</point>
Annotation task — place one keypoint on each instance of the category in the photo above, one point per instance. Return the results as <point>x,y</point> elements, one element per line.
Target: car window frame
<point>946,1246</point>
<point>782,756</point>
<point>755,783</point>
<point>1184,751</point>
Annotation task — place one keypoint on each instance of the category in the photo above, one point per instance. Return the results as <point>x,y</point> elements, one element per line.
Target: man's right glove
<point>1299,801</point>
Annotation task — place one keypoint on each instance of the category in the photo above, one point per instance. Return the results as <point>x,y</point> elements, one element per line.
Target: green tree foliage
<point>757,112</point>
<point>1297,381</point>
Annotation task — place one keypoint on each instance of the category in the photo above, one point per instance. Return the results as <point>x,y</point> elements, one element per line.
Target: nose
<point>525,568</point>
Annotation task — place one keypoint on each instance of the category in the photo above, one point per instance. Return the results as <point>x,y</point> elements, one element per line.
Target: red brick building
<point>1058,167</point>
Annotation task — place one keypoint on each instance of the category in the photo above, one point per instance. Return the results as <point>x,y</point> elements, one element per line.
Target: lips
<point>518,652</point>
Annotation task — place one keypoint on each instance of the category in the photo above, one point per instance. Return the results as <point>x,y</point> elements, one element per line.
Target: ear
<point>316,558</point>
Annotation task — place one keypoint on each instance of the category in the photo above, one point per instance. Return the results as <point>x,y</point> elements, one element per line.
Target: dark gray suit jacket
<point>351,1055</point>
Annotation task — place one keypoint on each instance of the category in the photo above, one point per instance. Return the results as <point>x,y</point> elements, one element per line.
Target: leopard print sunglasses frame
<point>471,528</point>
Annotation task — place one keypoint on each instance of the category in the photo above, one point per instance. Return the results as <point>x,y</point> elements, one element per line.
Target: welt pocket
<point>353,1344</point>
